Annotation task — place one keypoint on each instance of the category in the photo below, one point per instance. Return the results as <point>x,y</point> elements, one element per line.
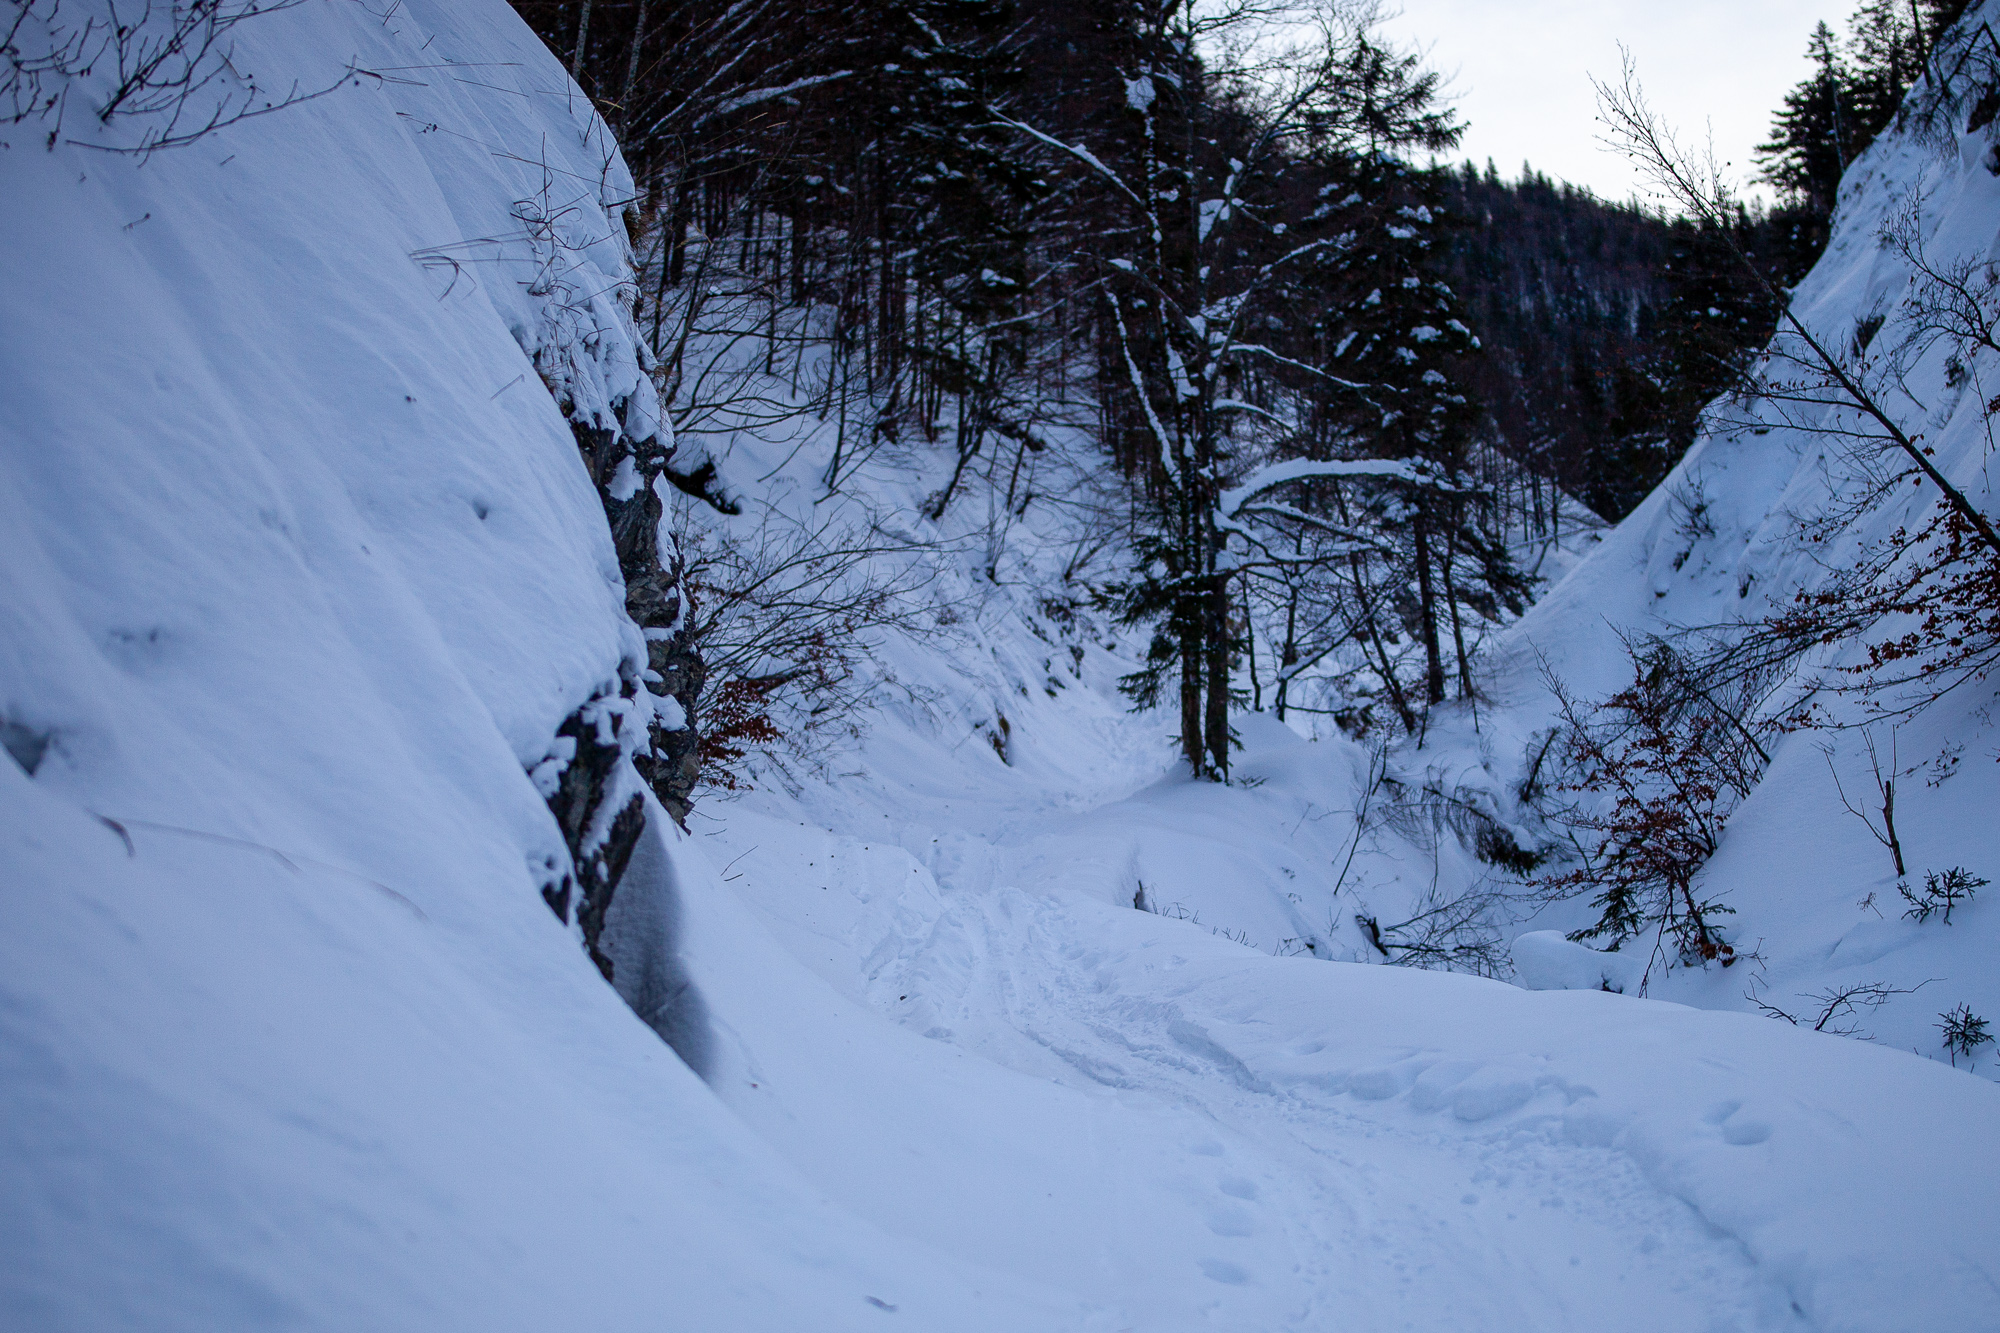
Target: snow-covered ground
<point>1229,1139</point>
<point>1813,891</point>
<point>299,572</point>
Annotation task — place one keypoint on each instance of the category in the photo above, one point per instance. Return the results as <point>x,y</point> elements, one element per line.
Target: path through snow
<point>1200,1135</point>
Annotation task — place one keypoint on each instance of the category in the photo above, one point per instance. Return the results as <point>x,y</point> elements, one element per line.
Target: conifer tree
<point>1829,119</point>
<point>1399,350</point>
<point>1813,137</point>
<point>1213,237</point>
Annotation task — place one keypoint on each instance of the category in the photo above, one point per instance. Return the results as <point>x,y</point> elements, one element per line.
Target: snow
<point>303,573</point>
<point>1275,475</point>
<point>1549,960</point>
<point>1814,894</point>
<point>1285,1141</point>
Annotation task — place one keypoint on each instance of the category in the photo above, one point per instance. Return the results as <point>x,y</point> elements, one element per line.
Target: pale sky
<point>1521,72</point>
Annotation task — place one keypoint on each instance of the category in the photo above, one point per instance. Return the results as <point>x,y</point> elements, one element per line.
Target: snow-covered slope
<point>1813,891</point>
<point>298,569</point>
<point>301,571</point>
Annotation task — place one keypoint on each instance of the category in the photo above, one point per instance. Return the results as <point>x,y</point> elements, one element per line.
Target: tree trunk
<point>1216,721</point>
<point>582,42</point>
<point>631,73</point>
<point>1427,596</point>
<point>1192,737</point>
<point>1457,629</point>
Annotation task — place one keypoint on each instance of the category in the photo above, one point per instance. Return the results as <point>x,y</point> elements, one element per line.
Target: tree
<point>1819,130</point>
<point>1888,55</point>
<point>1828,120</point>
<point>1212,230</point>
<point>1403,340</point>
<point>1655,772</point>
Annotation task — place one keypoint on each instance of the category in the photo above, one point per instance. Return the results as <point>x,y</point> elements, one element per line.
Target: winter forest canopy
<point>986,664</point>
<point>1207,241</point>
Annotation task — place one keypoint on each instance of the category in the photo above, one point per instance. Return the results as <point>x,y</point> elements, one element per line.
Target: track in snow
<point>1233,1161</point>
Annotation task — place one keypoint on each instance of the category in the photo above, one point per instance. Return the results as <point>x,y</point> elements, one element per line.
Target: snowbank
<point>1546,960</point>
<point>302,569</point>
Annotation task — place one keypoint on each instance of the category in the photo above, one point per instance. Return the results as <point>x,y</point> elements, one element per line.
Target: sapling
<point>1840,1006</point>
<point>1964,1032</point>
<point>1942,891</point>
<point>1656,771</point>
<point>1885,787</point>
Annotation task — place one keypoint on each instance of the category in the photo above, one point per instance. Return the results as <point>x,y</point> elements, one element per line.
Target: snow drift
<point>302,570</point>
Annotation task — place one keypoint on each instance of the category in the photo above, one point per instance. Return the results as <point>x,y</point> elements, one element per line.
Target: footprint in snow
<point>1221,1270</point>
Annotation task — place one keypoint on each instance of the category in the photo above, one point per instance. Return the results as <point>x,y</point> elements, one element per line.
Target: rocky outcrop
<point>627,476</point>
<point>642,725</point>
<point>587,785</point>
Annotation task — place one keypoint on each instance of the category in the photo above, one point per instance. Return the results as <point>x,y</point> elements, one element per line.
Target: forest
<point>1339,385</point>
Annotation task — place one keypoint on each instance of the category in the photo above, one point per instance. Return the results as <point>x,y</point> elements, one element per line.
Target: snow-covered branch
<point>1414,471</point>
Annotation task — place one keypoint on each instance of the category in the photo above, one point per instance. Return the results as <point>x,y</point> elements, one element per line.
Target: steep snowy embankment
<point>1812,890</point>
<point>300,570</point>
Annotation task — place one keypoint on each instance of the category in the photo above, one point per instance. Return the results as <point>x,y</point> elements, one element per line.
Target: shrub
<point>1964,1032</point>
<point>1656,771</point>
<point>1924,604</point>
<point>1942,891</point>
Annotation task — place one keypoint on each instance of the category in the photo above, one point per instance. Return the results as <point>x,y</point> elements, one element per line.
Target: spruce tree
<point>1813,136</point>
<point>1403,347</point>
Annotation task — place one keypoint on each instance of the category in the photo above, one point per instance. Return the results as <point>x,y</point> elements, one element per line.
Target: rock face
<point>645,722</point>
<point>642,725</point>
<point>600,814</point>
<point>675,762</point>
<point>626,474</point>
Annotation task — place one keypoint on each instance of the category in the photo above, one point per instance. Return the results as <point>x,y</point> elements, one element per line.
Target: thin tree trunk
<point>1457,629</point>
<point>1191,694</point>
<point>582,41</point>
<point>1217,718</point>
<point>631,72</point>
<point>1250,646</point>
<point>1427,597</point>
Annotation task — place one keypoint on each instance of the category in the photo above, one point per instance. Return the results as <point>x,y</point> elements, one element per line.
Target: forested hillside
<point>1195,248</point>
<point>1608,328</point>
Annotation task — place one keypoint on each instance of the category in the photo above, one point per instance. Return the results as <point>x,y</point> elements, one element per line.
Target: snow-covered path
<point>1320,1208</point>
<point>1199,1135</point>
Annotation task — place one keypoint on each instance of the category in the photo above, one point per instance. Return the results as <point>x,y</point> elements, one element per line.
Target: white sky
<point>1521,73</point>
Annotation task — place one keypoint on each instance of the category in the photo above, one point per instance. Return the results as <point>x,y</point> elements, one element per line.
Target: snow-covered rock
<point>1547,960</point>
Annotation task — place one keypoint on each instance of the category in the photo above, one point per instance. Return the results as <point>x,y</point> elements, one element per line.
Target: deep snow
<point>302,573</point>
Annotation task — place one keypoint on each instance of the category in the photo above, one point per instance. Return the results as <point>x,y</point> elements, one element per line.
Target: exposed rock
<point>600,814</point>
<point>584,779</point>
<point>655,600</point>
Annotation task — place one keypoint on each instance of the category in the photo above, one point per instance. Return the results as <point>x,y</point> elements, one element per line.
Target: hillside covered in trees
<point>1198,245</point>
